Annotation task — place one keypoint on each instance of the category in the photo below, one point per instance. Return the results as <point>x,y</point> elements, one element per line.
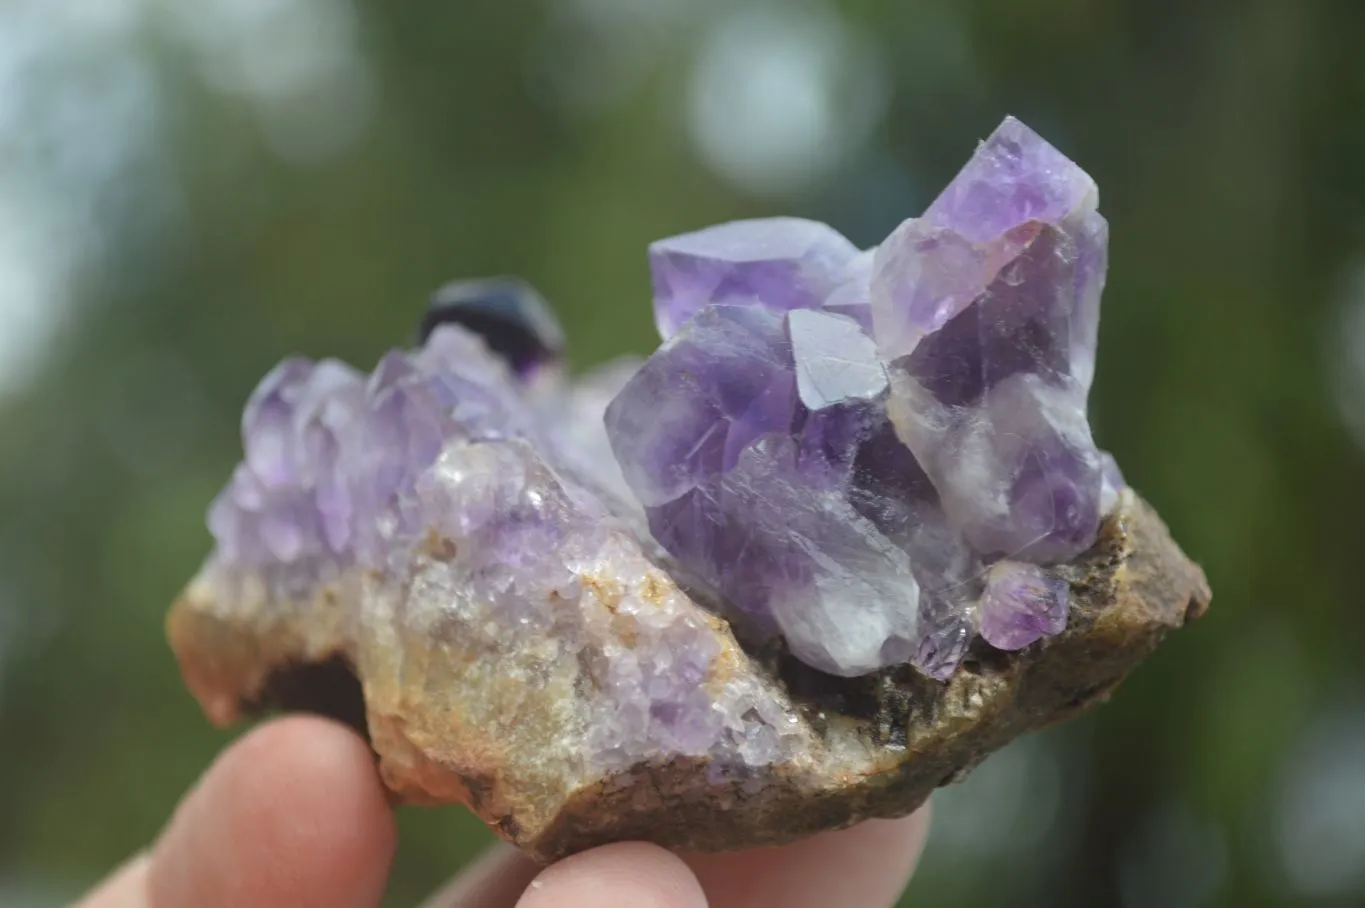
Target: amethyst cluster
<point>330,452</point>
<point>871,455</point>
<point>875,454</point>
<point>334,456</point>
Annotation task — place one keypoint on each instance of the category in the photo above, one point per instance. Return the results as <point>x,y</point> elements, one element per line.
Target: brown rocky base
<point>497,727</point>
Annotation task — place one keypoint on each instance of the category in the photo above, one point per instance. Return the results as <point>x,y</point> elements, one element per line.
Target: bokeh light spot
<point>780,96</point>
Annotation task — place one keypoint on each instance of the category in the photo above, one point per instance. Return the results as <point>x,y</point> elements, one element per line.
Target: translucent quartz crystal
<point>778,262</point>
<point>1021,603</point>
<point>839,442</point>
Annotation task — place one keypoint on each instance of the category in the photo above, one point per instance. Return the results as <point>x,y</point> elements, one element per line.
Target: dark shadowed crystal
<point>511,317</point>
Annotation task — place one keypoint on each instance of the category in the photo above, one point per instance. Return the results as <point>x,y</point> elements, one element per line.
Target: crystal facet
<point>987,309</point>
<point>1022,603</point>
<point>781,263</point>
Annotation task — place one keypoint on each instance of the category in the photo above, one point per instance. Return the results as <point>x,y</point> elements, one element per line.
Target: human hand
<point>293,815</point>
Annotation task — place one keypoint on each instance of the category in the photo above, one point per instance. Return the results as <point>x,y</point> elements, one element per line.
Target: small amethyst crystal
<point>1022,603</point>
<point>843,534</point>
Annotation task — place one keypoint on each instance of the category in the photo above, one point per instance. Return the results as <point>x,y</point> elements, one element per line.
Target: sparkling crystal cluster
<point>876,454</point>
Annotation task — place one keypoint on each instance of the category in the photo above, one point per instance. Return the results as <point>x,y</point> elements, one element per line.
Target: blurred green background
<point>189,191</point>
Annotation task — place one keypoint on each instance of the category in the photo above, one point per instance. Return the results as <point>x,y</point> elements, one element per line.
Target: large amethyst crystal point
<point>987,310</point>
<point>841,536</point>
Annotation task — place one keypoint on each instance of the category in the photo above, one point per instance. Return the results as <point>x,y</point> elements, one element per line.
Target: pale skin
<point>293,815</point>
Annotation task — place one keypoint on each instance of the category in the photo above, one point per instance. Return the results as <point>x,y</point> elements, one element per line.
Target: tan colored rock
<point>460,711</point>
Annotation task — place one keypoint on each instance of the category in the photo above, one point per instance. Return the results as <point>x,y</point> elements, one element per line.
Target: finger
<point>624,875</point>
<point>496,879</point>
<point>291,816</point>
<point>866,866</point>
<point>126,887</point>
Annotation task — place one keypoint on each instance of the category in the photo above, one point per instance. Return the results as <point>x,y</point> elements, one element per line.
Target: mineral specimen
<point>842,535</point>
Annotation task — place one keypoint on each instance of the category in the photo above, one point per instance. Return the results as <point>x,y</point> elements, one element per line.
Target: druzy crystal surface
<point>849,446</point>
<point>501,488</point>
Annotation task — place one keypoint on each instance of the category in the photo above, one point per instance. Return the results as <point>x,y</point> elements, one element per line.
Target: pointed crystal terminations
<point>752,463</point>
<point>332,456</point>
<point>840,443</point>
<point>987,311</point>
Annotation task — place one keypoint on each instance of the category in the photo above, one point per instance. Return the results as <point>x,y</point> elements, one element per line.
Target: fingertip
<point>866,865</point>
<point>292,814</point>
<point>623,875</point>
<point>126,887</point>
<point>497,878</point>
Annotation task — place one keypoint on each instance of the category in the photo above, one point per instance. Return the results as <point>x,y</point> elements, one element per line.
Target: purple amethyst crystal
<point>284,503</point>
<point>1022,603</point>
<point>329,454</point>
<point>836,441</point>
<point>781,263</point>
<point>987,310</point>
<point>742,436</point>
